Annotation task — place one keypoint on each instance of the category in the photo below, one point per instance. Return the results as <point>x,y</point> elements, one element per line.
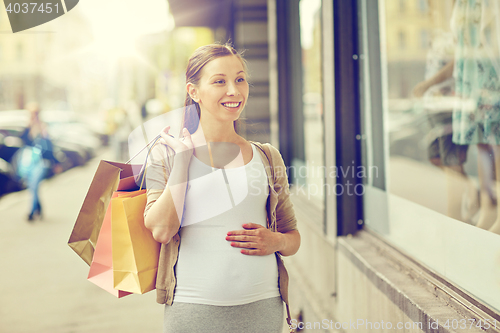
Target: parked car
<point>65,126</point>
<point>73,142</point>
<point>10,141</point>
<point>8,180</point>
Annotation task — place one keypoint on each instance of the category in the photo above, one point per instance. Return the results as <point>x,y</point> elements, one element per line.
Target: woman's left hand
<point>255,240</point>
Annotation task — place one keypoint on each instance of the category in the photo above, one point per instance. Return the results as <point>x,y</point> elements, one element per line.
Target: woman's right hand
<point>420,89</point>
<point>183,148</point>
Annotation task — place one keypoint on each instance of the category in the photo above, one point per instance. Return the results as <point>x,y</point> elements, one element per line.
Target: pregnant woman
<point>220,206</point>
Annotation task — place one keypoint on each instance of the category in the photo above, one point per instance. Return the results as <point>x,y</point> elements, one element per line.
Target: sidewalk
<point>43,286</point>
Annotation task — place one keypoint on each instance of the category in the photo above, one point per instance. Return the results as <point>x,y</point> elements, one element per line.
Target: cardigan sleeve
<point>157,173</point>
<point>285,214</point>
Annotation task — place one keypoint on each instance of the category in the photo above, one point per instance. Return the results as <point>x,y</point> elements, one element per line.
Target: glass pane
<point>310,33</point>
<point>444,107</point>
<point>440,62</point>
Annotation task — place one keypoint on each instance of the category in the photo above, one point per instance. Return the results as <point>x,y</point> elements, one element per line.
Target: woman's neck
<point>219,132</point>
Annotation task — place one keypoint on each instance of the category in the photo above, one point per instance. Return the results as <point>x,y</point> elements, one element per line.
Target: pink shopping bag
<point>101,269</point>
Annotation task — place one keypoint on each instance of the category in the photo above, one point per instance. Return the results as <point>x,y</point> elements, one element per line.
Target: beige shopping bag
<point>109,177</point>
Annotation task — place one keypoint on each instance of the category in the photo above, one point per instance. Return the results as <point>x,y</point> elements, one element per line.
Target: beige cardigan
<point>280,218</point>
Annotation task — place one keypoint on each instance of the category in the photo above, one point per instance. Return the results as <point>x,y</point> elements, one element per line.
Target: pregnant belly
<point>210,271</point>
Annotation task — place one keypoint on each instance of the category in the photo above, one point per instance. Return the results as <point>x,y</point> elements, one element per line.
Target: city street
<point>43,282</point>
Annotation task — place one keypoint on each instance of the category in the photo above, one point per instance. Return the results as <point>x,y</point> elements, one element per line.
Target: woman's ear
<point>192,91</point>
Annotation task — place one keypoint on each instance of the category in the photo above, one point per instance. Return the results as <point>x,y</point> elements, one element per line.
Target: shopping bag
<point>135,252</point>
<point>101,269</point>
<point>109,177</point>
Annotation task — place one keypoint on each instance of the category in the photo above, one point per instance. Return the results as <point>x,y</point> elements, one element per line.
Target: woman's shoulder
<point>268,148</point>
<point>264,144</point>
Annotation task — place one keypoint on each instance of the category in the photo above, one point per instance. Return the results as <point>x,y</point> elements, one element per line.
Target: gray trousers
<point>257,317</point>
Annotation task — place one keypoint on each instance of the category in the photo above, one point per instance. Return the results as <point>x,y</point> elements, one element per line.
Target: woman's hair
<point>202,56</point>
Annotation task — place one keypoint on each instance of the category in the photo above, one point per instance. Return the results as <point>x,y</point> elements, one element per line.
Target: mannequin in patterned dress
<point>476,115</point>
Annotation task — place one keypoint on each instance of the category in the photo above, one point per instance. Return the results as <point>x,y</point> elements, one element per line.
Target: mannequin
<point>476,116</point>
<point>462,194</point>
<point>476,113</point>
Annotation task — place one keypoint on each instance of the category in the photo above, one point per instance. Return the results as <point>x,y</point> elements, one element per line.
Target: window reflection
<point>444,106</point>
<point>310,25</point>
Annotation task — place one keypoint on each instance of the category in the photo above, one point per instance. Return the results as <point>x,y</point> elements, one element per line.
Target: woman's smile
<point>232,106</point>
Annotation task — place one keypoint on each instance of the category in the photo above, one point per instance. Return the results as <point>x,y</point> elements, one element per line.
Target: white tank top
<point>209,270</point>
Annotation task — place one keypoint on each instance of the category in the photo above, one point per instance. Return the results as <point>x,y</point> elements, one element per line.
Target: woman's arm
<point>290,243</point>
<point>165,215</point>
<point>443,74</point>
<point>260,241</point>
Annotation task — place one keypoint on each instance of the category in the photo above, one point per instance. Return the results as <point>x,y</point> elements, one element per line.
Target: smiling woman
<point>228,269</point>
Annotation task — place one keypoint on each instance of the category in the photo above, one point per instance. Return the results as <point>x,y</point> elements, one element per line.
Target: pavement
<point>43,283</point>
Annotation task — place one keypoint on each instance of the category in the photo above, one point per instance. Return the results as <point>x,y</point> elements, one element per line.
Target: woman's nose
<point>232,90</point>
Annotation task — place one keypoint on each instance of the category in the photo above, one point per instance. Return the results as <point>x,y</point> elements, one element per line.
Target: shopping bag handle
<point>140,151</point>
<point>145,165</point>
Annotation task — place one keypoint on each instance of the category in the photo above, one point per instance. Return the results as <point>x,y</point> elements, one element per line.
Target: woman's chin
<point>233,116</point>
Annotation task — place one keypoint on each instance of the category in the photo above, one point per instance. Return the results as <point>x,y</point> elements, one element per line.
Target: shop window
<point>440,136</point>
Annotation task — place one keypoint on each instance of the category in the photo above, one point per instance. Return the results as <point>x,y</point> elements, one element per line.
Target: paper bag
<point>101,269</point>
<point>135,252</point>
<point>109,177</point>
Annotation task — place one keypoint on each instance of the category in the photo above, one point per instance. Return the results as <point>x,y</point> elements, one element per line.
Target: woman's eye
<point>240,80</point>
<point>219,82</point>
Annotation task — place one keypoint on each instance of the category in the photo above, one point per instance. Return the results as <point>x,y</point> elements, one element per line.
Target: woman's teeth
<point>231,105</point>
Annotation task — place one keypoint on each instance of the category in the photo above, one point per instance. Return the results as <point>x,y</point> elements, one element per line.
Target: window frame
<point>347,113</point>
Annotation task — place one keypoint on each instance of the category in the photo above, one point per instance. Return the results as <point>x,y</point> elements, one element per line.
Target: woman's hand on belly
<point>256,240</point>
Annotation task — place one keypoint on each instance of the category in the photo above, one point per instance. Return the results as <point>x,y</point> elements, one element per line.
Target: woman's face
<point>223,89</point>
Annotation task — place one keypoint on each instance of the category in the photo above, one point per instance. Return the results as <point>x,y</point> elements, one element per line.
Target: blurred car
<point>10,141</point>
<point>8,180</point>
<point>74,143</point>
<point>65,126</point>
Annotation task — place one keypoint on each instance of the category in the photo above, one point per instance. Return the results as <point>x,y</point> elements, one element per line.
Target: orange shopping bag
<point>135,252</point>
